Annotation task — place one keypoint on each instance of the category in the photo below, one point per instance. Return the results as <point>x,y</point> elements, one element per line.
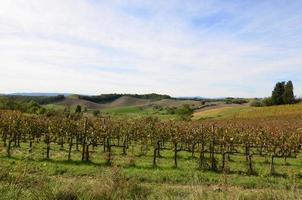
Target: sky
<point>209,48</point>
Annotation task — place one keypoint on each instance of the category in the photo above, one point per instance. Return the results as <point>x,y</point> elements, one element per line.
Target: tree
<point>278,93</point>
<point>78,109</point>
<point>185,112</point>
<point>288,96</point>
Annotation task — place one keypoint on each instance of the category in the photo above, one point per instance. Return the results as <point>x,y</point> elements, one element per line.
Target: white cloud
<point>90,46</point>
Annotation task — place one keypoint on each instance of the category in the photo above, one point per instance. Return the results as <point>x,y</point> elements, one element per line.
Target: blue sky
<point>207,48</point>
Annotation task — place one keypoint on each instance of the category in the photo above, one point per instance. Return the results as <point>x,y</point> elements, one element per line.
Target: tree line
<point>283,93</point>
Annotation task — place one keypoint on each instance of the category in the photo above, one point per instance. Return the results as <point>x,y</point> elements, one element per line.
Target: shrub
<point>257,103</point>
<point>235,101</point>
<point>267,101</point>
<point>185,112</point>
<point>96,113</point>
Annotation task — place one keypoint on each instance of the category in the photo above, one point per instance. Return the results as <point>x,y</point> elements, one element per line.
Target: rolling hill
<point>74,101</point>
<point>177,103</point>
<point>126,101</point>
<point>120,103</point>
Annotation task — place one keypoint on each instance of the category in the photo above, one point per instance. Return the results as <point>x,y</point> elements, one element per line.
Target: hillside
<point>38,99</point>
<point>74,101</point>
<point>38,94</point>
<point>125,101</point>
<point>117,103</point>
<point>232,112</point>
<point>108,98</point>
<point>177,103</point>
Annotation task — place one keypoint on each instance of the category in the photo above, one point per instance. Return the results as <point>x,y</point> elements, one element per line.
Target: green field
<point>54,107</point>
<point>137,111</point>
<point>133,177</point>
<point>250,112</point>
<point>127,110</point>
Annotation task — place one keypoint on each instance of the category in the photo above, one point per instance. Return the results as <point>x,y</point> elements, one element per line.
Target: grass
<point>54,107</point>
<point>250,112</point>
<point>133,177</point>
<point>217,113</point>
<point>111,183</point>
<point>126,110</point>
<point>137,111</point>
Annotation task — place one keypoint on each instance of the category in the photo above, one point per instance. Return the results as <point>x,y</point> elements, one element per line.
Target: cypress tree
<point>278,94</point>
<point>288,96</point>
<point>78,109</point>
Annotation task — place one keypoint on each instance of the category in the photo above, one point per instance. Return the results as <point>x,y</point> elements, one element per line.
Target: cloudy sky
<point>179,47</point>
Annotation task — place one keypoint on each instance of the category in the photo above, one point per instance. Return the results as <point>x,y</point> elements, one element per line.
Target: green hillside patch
<point>125,110</point>
<point>137,112</point>
<point>250,112</point>
<point>54,107</point>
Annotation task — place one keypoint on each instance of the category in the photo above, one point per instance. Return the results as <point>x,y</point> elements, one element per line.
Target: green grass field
<point>136,112</point>
<point>127,110</point>
<point>54,107</point>
<point>124,111</point>
<point>133,177</point>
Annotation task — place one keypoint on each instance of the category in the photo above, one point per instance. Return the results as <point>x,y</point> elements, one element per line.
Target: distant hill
<point>177,102</point>
<point>108,98</point>
<point>191,97</point>
<point>129,101</point>
<point>199,98</point>
<point>126,100</point>
<point>40,94</point>
<point>74,100</point>
<point>108,101</point>
<point>90,102</point>
<point>38,99</point>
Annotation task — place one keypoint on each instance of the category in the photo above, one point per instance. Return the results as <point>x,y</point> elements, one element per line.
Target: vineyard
<point>212,143</point>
